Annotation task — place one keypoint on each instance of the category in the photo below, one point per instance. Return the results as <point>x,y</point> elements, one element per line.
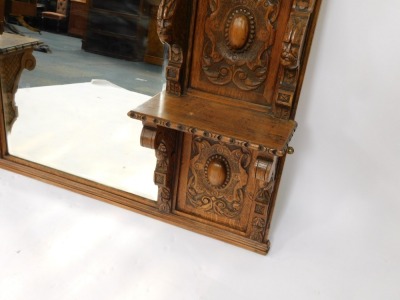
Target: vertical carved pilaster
<point>292,52</point>
<point>173,30</point>
<point>163,141</point>
<point>164,173</point>
<point>173,70</point>
<point>265,177</point>
<point>11,66</point>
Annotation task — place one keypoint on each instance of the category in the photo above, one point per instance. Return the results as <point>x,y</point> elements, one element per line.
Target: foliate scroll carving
<point>165,14</point>
<point>257,233</point>
<point>165,154</point>
<point>217,179</point>
<point>265,182</point>
<point>238,39</point>
<point>290,61</point>
<point>169,33</point>
<point>173,70</point>
<point>12,65</point>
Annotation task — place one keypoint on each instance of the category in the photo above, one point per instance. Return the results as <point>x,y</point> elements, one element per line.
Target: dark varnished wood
<point>115,28</point>
<point>78,15</point>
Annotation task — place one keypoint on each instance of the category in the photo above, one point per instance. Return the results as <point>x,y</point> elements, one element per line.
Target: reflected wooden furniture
<point>59,15</point>
<point>115,29</point>
<point>78,15</point>
<point>15,56</point>
<point>24,8</point>
<point>154,50</point>
<point>222,128</point>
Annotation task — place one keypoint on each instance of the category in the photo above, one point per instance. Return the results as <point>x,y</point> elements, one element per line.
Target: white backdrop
<point>335,234</point>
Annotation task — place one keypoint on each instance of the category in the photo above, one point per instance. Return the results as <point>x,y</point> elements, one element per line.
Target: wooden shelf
<point>13,42</point>
<point>233,125</point>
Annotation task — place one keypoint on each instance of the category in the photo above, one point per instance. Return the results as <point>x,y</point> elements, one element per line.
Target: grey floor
<point>68,63</point>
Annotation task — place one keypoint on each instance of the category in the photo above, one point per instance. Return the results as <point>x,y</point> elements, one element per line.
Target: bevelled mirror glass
<point>91,69</point>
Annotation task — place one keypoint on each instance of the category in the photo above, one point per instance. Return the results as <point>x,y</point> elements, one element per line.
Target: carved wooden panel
<point>233,47</point>
<point>214,180</point>
<point>163,141</point>
<point>227,185</point>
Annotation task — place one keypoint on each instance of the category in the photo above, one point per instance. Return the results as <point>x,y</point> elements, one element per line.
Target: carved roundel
<point>240,29</point>
<point>217,171</point>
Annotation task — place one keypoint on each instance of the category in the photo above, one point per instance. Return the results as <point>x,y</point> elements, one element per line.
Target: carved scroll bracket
<point>11,65</point>
<point>148,137</point>
<point>265,175</point>
<point>163,141</point>
<point>292,52</point>
<point>170,17</point>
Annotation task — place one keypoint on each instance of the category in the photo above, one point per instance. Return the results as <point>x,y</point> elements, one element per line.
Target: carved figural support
<point>290,60</point>
<point>238,41</point>
<point>11,65</point>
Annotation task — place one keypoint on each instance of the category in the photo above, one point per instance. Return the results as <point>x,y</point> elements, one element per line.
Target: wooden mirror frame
<point>176,25</point>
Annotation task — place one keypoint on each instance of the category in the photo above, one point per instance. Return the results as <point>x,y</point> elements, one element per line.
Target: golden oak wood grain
<point>237,125</point>
<point>221,130</point>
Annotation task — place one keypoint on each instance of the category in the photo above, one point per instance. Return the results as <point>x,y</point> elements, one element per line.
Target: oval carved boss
<point>240,29</point>
<point>238,34</point>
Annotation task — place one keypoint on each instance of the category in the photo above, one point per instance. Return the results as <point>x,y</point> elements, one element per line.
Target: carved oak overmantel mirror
<point>219,131</point>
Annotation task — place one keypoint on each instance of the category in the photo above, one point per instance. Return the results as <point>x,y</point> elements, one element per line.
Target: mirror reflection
<point>72,108</point>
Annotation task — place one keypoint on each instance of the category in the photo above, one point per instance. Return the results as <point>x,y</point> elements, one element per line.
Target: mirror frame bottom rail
<point>121,199</point>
